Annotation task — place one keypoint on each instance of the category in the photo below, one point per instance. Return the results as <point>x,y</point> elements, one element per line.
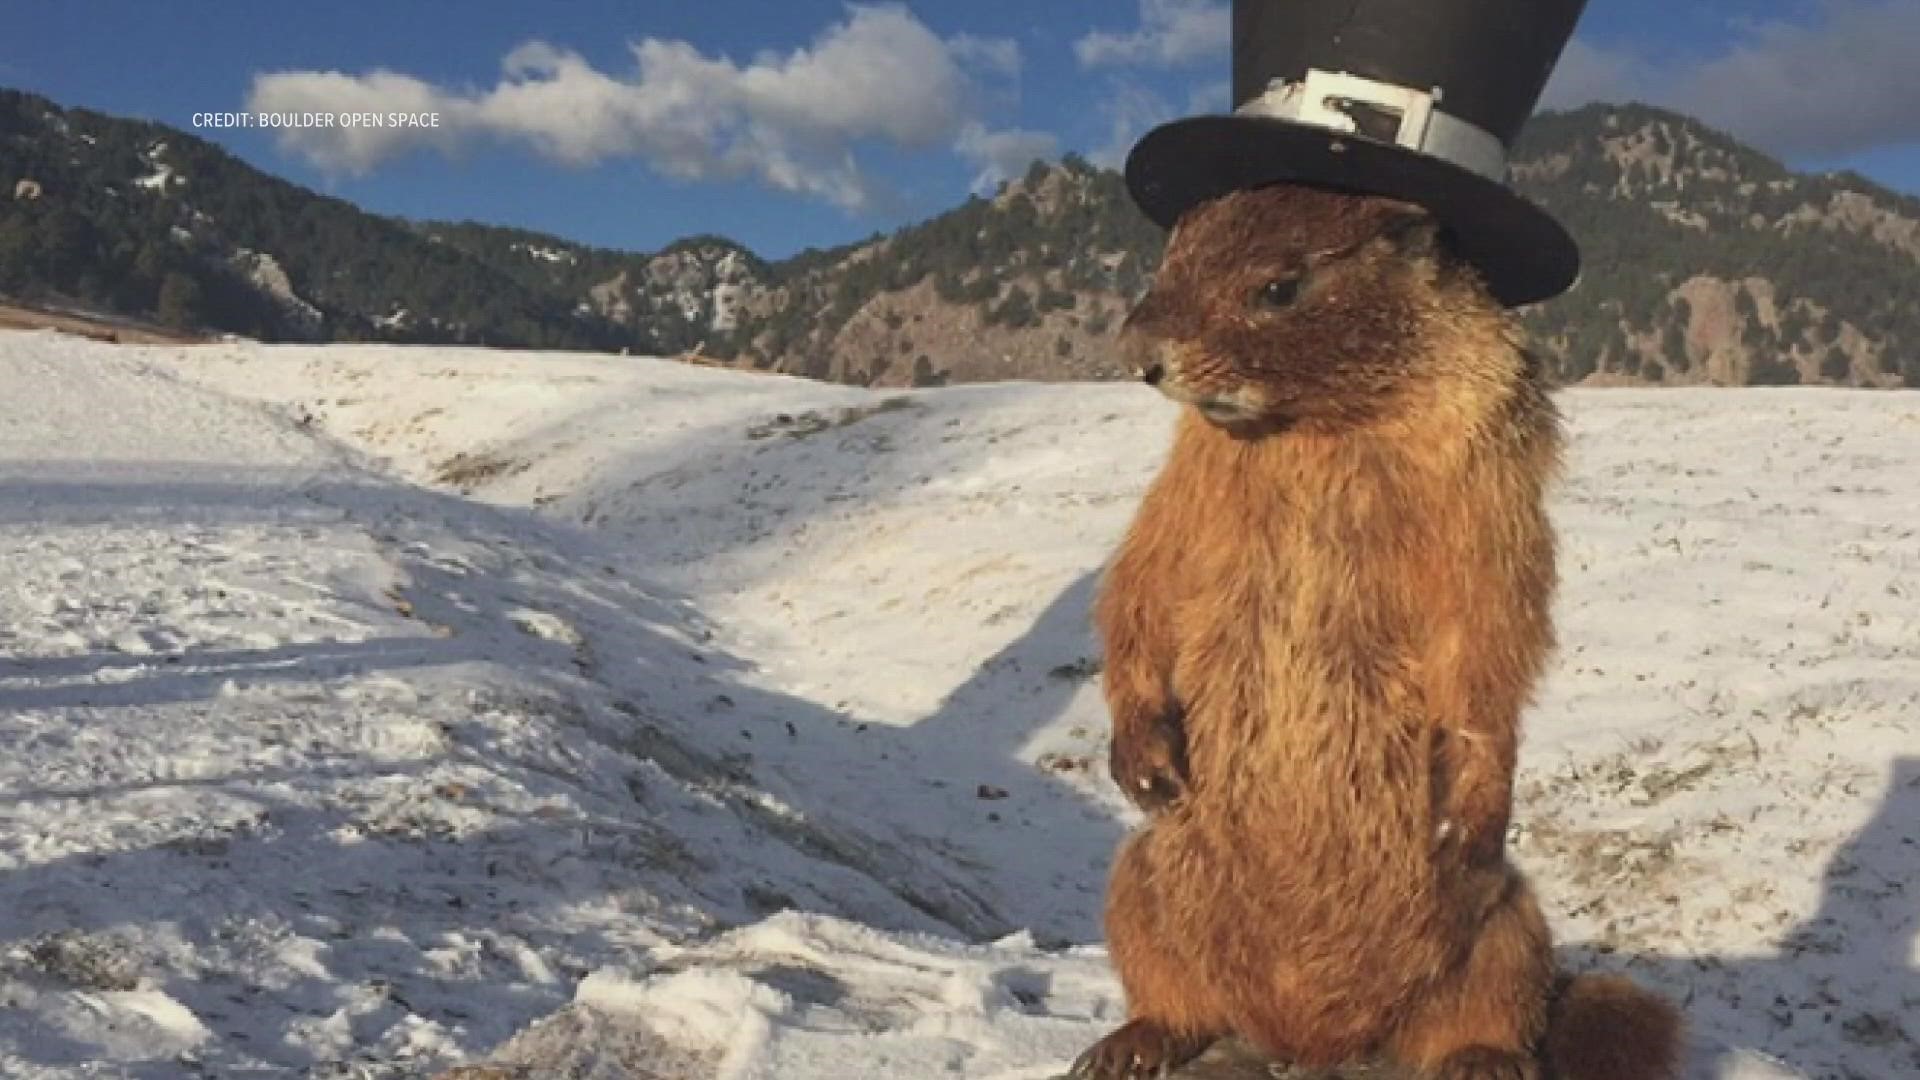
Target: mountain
<point>667,302</point>
<point>1705,262</point>
<point>1026,285</point>
<point>141,219</point>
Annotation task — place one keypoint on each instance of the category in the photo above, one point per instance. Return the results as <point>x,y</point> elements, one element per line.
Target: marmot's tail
<point>1604,1027</point>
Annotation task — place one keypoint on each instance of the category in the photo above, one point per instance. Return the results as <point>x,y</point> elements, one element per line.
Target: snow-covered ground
<point>365,710</point>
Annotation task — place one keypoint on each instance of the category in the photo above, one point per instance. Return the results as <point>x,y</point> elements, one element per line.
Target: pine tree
<point>16,254</point>
<point>1673,348</point>
<point>179,303</point>
<point>1836,365</point>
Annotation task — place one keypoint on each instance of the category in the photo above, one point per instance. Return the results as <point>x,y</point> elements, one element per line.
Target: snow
<point>365,710</point>
<point>545,254</point>
<point>157,180</point>
<point>163,174</point>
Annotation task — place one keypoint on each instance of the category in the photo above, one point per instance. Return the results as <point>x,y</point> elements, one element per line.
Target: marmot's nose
<point>1146,357</point>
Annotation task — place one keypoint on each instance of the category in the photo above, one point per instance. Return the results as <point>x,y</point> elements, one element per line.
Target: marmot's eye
<point>1278,293</point>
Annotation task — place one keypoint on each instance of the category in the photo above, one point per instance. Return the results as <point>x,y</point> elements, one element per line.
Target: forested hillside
<point>1705,261</point>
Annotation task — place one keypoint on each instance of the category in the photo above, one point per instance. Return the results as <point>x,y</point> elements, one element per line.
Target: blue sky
<point>814,122</point>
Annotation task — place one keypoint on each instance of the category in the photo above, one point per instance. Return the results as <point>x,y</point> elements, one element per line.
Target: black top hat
<point>1414,99</point>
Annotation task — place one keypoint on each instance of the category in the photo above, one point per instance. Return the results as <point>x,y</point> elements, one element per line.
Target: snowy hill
<point>369,710</point>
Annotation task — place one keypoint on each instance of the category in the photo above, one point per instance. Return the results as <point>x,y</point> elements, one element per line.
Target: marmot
<point>1320,632</point>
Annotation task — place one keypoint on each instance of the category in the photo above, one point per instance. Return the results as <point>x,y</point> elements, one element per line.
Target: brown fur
<point>1321,630</point>
<point>1602,1027</point>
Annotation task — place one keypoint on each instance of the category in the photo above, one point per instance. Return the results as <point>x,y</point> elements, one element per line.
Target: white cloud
<point>1213,97</point>
<point>1002,155</point>
<point>1130,109</point>
<point>1590,73</point>
<point>352,149</point>
<point>998,55</point>
<point>1172,33</point>
<point>790,121</point>
<point>1844,83</point>
<point>1847,84</point>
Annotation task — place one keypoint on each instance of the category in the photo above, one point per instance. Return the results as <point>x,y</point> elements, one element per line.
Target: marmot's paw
<point>1137,1050</point>
<point>1470,843</point>
<point>1148,760</point>
<point>1485,1063</point>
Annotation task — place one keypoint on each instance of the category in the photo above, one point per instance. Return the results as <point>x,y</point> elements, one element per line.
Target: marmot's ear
<point>1415,235</point>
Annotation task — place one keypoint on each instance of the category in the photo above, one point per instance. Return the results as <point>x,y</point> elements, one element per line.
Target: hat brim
<point>1523,254</point>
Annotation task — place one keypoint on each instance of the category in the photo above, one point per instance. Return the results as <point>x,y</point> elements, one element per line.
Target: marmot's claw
<point>1472,841</point>
<point>1149,763</point>
<point>1482,1063</point>
<point>1157,792</point>
<point>1137,1050</point>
